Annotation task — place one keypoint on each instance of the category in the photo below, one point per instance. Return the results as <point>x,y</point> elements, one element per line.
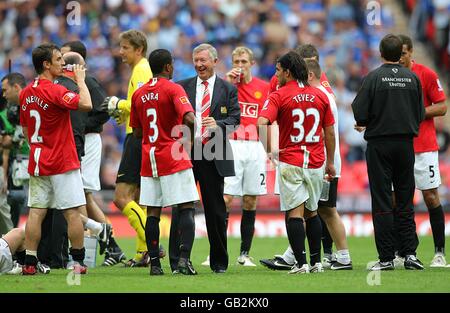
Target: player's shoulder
<point>261,82</point>
<point>423,70</point>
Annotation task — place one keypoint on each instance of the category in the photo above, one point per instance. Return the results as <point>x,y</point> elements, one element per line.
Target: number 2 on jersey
<point>35,138</point>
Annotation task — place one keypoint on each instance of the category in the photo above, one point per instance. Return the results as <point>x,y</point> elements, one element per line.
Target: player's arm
<point>189,121</point>
<point>137,132</point>
<point>5,165</point>
<point>361,104</point>
<point>262,126</point>
<point>330,146</point>
<point>98,116</point>
<point>437,109</point>
<point>135,121</point>
<point>85,103</point>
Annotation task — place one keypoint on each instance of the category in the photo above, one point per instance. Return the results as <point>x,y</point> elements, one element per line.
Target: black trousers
<point>53,248</point>
<point>390,162</point>
<point>211,188</point>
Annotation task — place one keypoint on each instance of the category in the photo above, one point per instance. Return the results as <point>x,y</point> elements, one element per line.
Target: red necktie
<point>206,105</point>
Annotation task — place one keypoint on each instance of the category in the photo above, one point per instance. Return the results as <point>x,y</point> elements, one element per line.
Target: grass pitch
<point>241,279</point>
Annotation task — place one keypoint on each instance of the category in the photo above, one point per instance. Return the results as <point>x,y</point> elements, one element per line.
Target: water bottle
<point>325,190</point>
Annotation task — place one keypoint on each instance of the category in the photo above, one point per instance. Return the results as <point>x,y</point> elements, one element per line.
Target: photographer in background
<point>14,178</point>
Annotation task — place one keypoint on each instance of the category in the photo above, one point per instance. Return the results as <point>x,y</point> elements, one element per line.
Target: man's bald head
<point>73,58</point>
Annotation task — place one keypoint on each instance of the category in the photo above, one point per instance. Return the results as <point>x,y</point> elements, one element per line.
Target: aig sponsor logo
<point>249,109</point>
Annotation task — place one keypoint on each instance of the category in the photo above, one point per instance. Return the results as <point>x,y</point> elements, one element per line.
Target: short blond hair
<point>136,38</point>
<point>241,50</point>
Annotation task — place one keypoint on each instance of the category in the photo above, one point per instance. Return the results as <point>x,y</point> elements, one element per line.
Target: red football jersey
<point>301,113</point>
<point>432,93</point>
<point>251,98</point>
<point>44,110</point>
<point>158,108</point>
<point>323,80</point>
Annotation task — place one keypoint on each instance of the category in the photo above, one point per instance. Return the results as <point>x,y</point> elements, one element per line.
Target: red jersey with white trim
<point>432,93</point>
<point>301,112</point>
<point>158,108</point>
<point>323,81</point>
<point>44,110</point>
<point>251,98</point>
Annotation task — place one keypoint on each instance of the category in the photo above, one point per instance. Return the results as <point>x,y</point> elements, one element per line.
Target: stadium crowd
<point>348,46</point>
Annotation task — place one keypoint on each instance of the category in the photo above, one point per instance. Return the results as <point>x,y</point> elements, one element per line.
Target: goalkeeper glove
<point>110,105</point>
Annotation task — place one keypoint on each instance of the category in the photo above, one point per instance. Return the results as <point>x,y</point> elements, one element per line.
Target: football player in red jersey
<point>302,112</point>
<point>157,109</point>
<point>55,179</point>
<point>249,155</point>
<point>426,165</point>
<point>307,52</point>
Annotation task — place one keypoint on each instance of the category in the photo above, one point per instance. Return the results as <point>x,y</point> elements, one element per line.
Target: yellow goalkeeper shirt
<point>140,75</point>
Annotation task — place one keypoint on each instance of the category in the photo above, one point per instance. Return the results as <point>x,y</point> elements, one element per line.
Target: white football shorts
<point>6,260</point>
<point>426,170</point>
<point>90,162</point>
<point>62,191</point>
<point>169,190</point>
<point>250,169</point>
<point>299,185</point>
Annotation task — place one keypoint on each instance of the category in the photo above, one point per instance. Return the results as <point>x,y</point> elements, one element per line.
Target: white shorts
<point>90,162</point>
<point>169,190</point>
<point>250,169</point>
<point>299,185</point>
<point>426,170</point>
<point>6,260</point>
<point>62,191</point>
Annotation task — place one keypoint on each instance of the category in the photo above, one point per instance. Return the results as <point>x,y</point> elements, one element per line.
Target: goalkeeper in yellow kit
<point>133,49</point>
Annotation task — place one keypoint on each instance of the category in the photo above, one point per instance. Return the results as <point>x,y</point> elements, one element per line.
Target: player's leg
<point>183,196</point>
<point>334,226</point>
<point>152,233</point>
<point>427,178</point>
<point>253,185</point>
<point>70,199</point>
<point>10,244</point>
<point>314,235</point>
<point>437,222</point>
<point>337,231</point>
<point>127,192</point>
<point>41,197</point>
<point>15,239</point>
<point>296,236</point>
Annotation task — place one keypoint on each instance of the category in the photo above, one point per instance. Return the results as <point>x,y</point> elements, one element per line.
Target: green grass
<point>242,279</point>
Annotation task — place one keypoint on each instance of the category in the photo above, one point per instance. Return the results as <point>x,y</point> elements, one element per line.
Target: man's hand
<point>209,122</point>
<point>234,75</point>
<point>80,72</point>
<point>110,105</point>
<point>330,171</point>
<point>359,128</point>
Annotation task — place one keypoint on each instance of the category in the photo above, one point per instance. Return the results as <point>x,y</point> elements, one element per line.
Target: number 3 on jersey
<point>152,113</point>
<point>310,137</point>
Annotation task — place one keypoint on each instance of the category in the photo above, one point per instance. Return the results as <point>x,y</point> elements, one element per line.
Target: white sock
<point>30,252</point>
<point>93,226</point>
<point>288,255</point>
<point>343,256</point>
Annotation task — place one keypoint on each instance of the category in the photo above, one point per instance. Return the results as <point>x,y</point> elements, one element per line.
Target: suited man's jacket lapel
<point>217,94</point>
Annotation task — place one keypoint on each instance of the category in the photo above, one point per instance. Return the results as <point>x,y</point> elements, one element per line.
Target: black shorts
<point>130,165</point>
<point>332,195</point>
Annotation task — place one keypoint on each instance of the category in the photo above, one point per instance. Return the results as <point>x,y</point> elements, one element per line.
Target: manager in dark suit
<point>217,111</point>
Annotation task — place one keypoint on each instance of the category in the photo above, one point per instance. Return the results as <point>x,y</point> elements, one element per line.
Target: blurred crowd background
<point>346,32</point>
